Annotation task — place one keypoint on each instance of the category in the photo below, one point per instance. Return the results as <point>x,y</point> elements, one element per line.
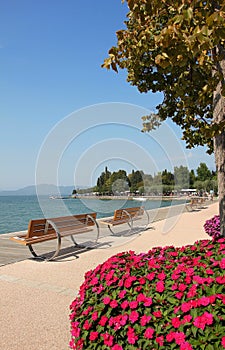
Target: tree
<point>181,177</point>
<point>177,47</point>
<point>136,180</point>
<point>203,172</point>
<point>192,178</point>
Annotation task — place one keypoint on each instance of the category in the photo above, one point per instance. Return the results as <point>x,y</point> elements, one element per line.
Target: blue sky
<point>50,68</point>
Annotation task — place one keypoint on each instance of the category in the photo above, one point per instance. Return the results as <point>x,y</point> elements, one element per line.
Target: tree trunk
<point>219,140</point>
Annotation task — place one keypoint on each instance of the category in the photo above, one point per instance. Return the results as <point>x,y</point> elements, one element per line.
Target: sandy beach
<point>35,296</point>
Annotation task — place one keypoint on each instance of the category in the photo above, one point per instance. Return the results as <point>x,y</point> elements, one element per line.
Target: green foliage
<point>181,176</point>
<point>162,182</point>
<point>203,172</point>
<point>170,47</point>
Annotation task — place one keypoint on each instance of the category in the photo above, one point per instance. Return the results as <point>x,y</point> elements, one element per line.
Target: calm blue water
<point>16,211</point>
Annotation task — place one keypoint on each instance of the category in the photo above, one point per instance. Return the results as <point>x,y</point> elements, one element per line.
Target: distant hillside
<point>42,190</point>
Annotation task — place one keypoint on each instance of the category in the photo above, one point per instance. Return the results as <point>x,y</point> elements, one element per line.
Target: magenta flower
<point>148,301</point>
<point>186,346</point>
<point>133,304</point>
<point>106,300</point>
<point>124,304</point>
<point>160,340</point>
<point>103,321</point>
<point>108,339</point>
<point>170,337</point>
<point>149,333</point>
<point>157,314</point>
<point>94,316</point>
<point>133,317</point>
<point>117,347</point>
<point>176,322</point>
<point>93,336</point>
<point>158,299</point>
<point>144,320</point>
<point>222,263</point>
<point>223,342</point>
<point>122,293</point>
<point>179,337</point>
<point>131,336</point>
<point>160,286</point>
<point>113,304</point>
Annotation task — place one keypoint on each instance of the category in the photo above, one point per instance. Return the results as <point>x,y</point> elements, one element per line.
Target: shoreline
<point>11,252</point>
<point>47,289</point>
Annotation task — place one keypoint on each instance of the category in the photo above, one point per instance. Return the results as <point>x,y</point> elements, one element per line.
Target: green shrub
<point>168,298</point>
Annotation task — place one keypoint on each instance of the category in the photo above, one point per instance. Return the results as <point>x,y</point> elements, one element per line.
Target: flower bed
<point>168,298</point>
<point>212,227</point>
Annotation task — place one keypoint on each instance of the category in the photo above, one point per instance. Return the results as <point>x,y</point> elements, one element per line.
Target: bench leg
<point>51,257</point>
<point>130,224</point>
<point>32,251</point>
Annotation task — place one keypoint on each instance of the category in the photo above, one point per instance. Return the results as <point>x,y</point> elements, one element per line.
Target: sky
<point>63,117</point>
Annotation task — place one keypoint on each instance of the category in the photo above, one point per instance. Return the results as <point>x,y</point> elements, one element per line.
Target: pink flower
<point>133,304</point>
<point>150,276</point>
<point>113,304</point>
<point>160,340</point>
<point>141,297</point>
<point>192,291</point>
<point>185,346</point>
<point>93,336</point>
<point>157,314</point>
<point>117,347</point>
<point>142,280</point>
<point>94,316</point>
<point>149,333</point>
<point>103,321</point>
<point>148,301</point>
<point>179,337</point>
<point>208,318</point>
<point>220,279</point>
<point>131,336</point>
<point>186,307</point>
<point>133,317</point>
<point>124,304</point>
<point>179,295</point>
<point>123,320</point>
<point>106,300</point>
<point>170,336</point>
<point>223,342</point>
<point>75,331</point>
<point>201,321</point>
<point>174,286</point>
<point>94,281</point>
<point>176,322</point>
<point>161,276</point>
<point>186,319</point>
<point>160,286</point>
<point>144,320</point>
<point>87,325</point>
<point>128,282</point>
<point>182,287</point>
<point>204,301</point>
<point>174,276</point>
<point>108,339</point>
<point>122,293</point>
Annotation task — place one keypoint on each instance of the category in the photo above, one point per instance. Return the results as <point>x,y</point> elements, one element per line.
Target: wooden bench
<point>42,230</point>
<point>126,216</point>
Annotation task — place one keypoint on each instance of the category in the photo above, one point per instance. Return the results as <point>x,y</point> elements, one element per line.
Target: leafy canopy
<point>170,46</point>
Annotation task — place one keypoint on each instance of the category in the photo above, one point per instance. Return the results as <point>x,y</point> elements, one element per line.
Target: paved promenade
<point>35,295</point>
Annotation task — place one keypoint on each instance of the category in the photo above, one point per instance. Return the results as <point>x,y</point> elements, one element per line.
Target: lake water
<point>16,211</point>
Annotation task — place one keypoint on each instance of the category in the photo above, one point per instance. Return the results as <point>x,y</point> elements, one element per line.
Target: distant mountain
<point>42,190</point>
